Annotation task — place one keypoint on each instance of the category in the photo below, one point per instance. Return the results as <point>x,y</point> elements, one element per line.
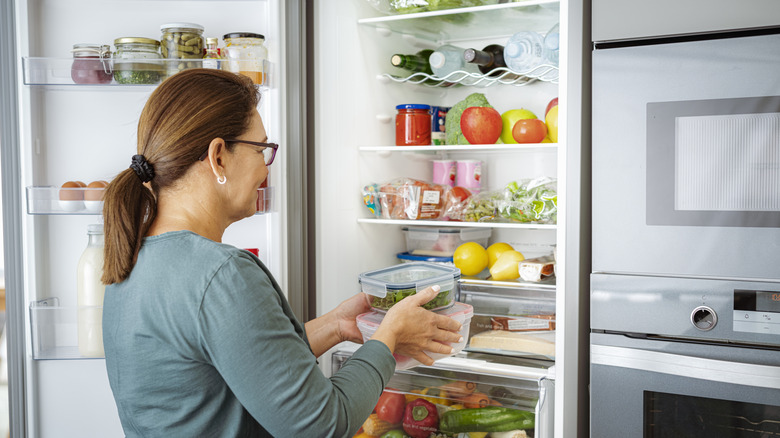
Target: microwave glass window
<point>683,416</point>
<point>728,162</point>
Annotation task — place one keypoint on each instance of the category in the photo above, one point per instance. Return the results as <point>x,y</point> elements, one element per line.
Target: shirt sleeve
<point>253,340</point>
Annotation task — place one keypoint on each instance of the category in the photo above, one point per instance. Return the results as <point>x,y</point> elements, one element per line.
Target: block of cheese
<point>542,344</point>
<point>537,269</point>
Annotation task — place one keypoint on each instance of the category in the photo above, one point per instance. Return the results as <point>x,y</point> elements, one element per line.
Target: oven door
<point>686,156</point>
<point>654,389</point>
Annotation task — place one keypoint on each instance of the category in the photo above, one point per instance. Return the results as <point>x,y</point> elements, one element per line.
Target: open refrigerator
<point>325,74</point>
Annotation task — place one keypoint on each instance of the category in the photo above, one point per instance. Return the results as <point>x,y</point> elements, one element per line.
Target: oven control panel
<point>757,311</point>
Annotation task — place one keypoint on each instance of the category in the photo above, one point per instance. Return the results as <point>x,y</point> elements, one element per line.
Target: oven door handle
<point>687,366</point>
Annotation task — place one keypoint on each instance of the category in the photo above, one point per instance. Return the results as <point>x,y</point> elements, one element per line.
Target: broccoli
<point>452,122</point>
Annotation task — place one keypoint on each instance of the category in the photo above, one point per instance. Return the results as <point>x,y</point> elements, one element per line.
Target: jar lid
<point>135,40</point>
<point>212,40</point>
<point>413,106</point>
<point>243,35</point>
<point>163,27</point>
<point>88,49</point>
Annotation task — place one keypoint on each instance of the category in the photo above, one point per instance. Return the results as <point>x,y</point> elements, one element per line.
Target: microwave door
<point>686,158</point>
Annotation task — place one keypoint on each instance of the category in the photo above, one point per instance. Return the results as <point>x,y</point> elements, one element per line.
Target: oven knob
<point>704,318</point>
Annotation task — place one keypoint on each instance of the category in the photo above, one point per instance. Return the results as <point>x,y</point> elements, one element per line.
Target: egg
<point>96,194</point>
<point>71,193</point>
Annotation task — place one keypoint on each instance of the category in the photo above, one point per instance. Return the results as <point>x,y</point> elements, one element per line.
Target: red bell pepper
<point>420,418</point>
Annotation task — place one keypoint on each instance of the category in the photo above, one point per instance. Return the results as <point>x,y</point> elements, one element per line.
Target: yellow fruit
<point>507,266</point>
<point>471,258</point>
<point>495,250</point>
<point>551,119</point>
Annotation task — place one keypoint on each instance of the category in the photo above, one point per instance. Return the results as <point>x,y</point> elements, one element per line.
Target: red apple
<point>550,105</point>
<point>529,131</point>
<point>481,125</point>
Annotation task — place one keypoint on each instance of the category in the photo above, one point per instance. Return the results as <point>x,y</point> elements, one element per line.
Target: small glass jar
<point>91,64</point>
<point>212,58</point>
<point>413,125</point>
<point>182,45</point>
<point>246,54</point>
<point>137,61</point>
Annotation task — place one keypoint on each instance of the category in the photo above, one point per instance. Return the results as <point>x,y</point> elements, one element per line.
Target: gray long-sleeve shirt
<point>200,341</point>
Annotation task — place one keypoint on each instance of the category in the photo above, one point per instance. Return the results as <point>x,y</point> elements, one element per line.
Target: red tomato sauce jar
<point>413,125</point>
<point>91,64</point>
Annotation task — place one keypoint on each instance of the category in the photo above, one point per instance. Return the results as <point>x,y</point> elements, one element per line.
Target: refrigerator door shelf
<point>55,329</point>
<point>50,200</point>
<point>133,74</point>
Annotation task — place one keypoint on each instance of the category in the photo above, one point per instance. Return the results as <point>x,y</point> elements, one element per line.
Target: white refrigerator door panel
<point>625,80</point>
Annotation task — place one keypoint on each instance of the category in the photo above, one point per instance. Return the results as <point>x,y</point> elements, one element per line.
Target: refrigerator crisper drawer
<point>83,200</point>
<point>475,381</point>
<point>56,331</point>
<point>512,321</point>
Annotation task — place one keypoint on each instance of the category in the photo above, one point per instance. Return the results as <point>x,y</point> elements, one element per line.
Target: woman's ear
<point>216,157</point>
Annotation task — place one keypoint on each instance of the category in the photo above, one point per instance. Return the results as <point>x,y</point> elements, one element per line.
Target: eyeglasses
<point>269,149</point>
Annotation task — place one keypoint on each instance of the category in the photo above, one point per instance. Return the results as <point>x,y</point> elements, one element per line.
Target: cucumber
<point>487,419</point>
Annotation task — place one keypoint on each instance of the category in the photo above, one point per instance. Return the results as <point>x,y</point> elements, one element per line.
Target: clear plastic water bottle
<point>524,51</point>
<point>551,45</point>
<point>447,59</point>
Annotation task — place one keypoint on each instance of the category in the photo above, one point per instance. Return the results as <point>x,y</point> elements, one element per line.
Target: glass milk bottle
<point>90,292</point>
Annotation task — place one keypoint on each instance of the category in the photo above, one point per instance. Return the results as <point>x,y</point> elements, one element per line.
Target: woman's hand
<point>337,326</point>
<point>410,330</point>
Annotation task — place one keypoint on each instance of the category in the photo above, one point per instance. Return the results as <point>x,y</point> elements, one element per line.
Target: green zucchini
<point>487,419</point>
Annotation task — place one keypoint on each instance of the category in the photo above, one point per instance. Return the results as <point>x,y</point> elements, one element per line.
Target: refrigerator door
<point>64,131</point>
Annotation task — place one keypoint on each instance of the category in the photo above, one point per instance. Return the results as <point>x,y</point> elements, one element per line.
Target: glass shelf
<point>526,226</point>
<point>52,200</point>
<point>463,148</point>
<point>472,22</point>
<point>43,71</point>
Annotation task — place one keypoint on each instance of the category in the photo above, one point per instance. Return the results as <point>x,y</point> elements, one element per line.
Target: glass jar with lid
<point>137,61</point>
<point>246,54</point>
<point>182,45</point>
<point>91,64</point>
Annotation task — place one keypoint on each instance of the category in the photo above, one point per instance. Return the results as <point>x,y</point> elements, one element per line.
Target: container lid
<point>135,40</point>
<point>423,258</point>
<point>458,311</point>
<point>408,276</point>
<point>243,35</point>
<point>91,49</point>
<point>413,106</point>
<point>181,24</point>
<point>437,59</point>
<point>212,40</point>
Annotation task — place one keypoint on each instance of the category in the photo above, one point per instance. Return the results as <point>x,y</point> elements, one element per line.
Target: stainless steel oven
<point>684,358</point>
<point>685,289</point>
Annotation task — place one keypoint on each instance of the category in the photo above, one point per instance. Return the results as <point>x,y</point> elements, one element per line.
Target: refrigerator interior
<point>87,133</point>
<point>355,137</point>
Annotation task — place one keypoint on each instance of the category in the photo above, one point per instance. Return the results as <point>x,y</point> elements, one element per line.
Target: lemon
<point>495,250</point>
<point>507,267</point>
<point>471,258</point>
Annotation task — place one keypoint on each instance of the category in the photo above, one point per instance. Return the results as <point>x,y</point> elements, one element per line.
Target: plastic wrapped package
<point>526,201</point>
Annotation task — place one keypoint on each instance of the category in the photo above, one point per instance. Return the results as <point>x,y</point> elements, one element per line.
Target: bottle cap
<point>396,60</point>
<point>437,59</point>
<point>95,228</point>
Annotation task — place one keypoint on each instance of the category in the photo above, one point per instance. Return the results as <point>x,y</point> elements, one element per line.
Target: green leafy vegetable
<point>443,299</point>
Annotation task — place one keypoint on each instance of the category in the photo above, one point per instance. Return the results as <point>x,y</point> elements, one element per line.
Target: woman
<point>199,338</point>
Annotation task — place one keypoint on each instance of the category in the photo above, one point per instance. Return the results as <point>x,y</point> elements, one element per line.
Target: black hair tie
<point>142,168</point>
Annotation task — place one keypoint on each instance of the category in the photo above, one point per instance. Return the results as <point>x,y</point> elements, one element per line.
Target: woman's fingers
<point>425,295</point>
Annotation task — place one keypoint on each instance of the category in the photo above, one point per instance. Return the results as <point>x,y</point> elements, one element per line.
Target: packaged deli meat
<point>537,269</point>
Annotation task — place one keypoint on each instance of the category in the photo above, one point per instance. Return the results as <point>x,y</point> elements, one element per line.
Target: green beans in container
<point>182,46</point>
<point>137,61</point>
<point>386,287</point>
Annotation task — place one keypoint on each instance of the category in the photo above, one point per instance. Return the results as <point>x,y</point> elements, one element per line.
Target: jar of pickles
<point>246,54</point>
<point>182,45</point>
<point>91,64</point>
<point>137,61</point>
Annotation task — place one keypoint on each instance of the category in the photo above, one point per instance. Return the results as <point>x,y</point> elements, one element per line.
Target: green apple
<point>509,119</point>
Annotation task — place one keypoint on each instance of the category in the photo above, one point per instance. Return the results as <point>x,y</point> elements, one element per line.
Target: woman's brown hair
<point>182,116</point>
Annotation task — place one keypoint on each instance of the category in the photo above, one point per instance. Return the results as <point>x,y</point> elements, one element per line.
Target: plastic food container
<point>368,323</point>
<point>385,287</point>
<point>405,257</point>
<point>442,242</point>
